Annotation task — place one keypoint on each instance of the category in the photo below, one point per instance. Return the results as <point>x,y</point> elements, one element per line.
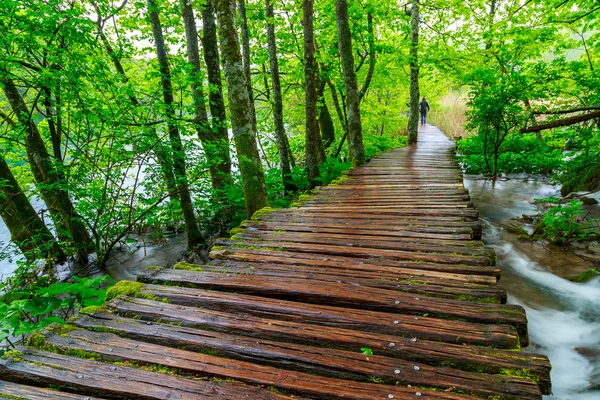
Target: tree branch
<point>561,122</point>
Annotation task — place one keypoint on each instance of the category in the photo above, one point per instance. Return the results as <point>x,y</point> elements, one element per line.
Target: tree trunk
<point>210,142</point>
<point>194,236</point>
<point>413,120</point>
<point>310,68</point>
<point>325,121</point>
<point>49,178</point>
<point>246,60</point>
<point>280,135</point>
<point>253,178</point>
<point>355,140</point>
<point>215,92</point>
<point>372,58</point>
<point>27,230</point>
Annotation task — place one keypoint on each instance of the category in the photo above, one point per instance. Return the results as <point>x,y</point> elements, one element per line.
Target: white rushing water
<point>564,317</point>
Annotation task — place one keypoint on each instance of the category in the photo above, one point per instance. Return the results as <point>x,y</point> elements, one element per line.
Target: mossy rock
<point>124,288</point>
<point>585,276</point>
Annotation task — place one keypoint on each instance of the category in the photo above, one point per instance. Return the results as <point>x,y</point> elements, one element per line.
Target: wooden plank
<point>349,238</point>
<point>448,256</point>
<point>280,366</point>
<point>345,295</point>
<point>422,327</point>
<point>13,390</point>
<point>427,352</point>
<point>97,378</point>
<point>476,274</point>
<point>427,286</point>
<point>394,231</point>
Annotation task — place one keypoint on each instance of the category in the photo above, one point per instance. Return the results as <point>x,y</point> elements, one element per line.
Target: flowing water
<point>564,317</point>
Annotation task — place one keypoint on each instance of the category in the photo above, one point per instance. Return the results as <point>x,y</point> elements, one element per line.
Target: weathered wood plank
<point>97,378</point>
<point>345,295</point>
<point>13,390</point>
<point>476,274</point>
<point>427,286</point>
<point>271,371</point>
<point>448,257</point>
<point>424,351</point>
<point>111,346</point>
<point>423,327</point>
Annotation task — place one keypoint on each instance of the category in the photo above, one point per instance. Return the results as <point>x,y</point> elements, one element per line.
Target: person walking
<point>424,109</point>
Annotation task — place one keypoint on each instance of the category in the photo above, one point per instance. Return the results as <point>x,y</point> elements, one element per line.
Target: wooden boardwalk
<point>387,261</point>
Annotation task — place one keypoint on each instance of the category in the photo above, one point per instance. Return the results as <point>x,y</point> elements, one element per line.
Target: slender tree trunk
<point>194,236</point>
<point>27,230</point>
<point>215,91</point>
<point>372,56</point>
<point>253,178</point>
<point>49,177</point>
<point>246,60</point>
<point>280,135</point>
<point>325,121</point>
<point>310,69</point>
<point>355,140</point>
<point>210,142</point>
<point>413,120</point>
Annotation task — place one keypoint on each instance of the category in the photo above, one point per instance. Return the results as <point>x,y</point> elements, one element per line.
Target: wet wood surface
<point>375,287</point>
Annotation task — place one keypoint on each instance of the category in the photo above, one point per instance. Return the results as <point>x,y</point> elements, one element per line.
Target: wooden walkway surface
<point>389,261</point>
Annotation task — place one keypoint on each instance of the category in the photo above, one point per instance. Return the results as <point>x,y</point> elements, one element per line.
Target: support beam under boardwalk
<point>376,287</point>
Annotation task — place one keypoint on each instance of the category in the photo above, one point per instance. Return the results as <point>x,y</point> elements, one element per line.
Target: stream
<point>564,317</point>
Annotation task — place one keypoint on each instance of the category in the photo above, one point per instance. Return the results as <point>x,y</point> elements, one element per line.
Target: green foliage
<point>366,351</point>
<point>30,304</point>
<point>561,224</point>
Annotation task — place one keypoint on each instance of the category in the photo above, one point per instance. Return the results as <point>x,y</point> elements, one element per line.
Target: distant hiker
<point>424,108</point>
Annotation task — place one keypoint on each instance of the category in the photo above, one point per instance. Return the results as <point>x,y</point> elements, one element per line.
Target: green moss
<point>187,266</point>
<point>16,355</point>
<point>154,268</point>
<point>10,396</point>
<point>92,309</point>
<point>124,288</point>
<point>218,248</point>
<point>262,212</point>
<point>131,289</point>
<point>235,231</point>
<point>36,340</point>
<point>585,276</point>
<point>519,373</point>
<point>473,299</point>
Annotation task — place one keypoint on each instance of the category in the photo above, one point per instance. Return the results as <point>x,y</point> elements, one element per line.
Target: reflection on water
<point>564,317</point>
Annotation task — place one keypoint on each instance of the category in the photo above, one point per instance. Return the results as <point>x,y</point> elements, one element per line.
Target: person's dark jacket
<point>424,106</point>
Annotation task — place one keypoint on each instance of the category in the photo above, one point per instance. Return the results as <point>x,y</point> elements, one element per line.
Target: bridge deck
<point>388,261</point>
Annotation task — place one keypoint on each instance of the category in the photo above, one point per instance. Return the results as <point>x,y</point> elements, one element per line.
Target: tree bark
<point>355,140</point>
<point>27,230</point>
<point>212,148</point>
<point>194,236</point>
<point>246,60</point>
<point>215,91</point>
<point>310,68</point>
<point>372,56</point>
<point>413,120</point>
<point>561,122</point>
<point>49,178</point>
<point>325,122</point>
<point>280,135</point>
<point>253,178</point>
